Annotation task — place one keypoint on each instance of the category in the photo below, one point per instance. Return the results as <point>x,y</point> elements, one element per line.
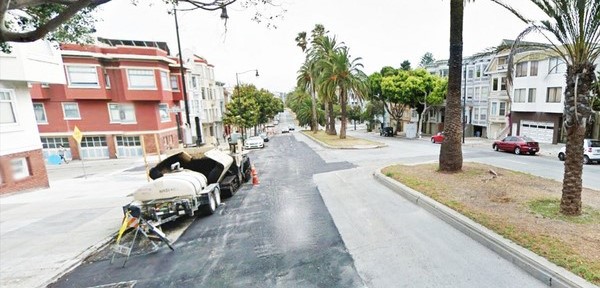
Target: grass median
<point>334,141</point>
<point>521,207</point>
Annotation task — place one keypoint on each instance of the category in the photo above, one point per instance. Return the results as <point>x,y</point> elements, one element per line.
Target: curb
<point>537,266</point>
<point>356,147</point>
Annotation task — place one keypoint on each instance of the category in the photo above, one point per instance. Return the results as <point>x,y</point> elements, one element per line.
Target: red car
<point>517,144</point>
<point>437,138</point>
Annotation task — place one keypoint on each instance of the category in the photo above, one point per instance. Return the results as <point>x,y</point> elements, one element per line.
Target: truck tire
<point>211,207</point>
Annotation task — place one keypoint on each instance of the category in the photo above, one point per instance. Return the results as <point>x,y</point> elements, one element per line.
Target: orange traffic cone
<point>254,176</point>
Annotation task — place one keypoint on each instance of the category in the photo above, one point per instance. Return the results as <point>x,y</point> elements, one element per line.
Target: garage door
<point>94,147</point>
<point>129,146</point>
<point>542,132</point>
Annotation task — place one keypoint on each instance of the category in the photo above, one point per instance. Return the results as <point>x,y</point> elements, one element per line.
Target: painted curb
<point>537,266</point>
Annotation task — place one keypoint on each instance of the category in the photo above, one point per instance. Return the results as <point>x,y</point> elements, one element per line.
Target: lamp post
<point>237,79</point>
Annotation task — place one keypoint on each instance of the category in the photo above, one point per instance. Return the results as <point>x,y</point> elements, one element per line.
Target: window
<point>485,91</point>
<point>141,79</point>
<point>106,79</point>
<point>502,110</point>
<point>82,76</point>
<point>163,111</point>
<point>203,93</point>
<point>531,95</point>
<point>502,62</point>
<point>478,71</point>
<point>53,142</point>
<point>483,114</point>
<point>164,80</point>
<point>556,65</point>
<point>71,111</point>
<point>93,141</point>
<point>174,83</point>
<point>499,84</point>
<point>533,70</point>
<point>521,69</point>
<point>194,82</point>
<point>469,93</point>
<point>40,113</point>
<point>470,73</point>
<point>128,141</point>
<point>196,106</point>
<point>495,108</point>
<point>519,95</point>
<point>477,93</point>
<point>20,169</point>
<point>554,95</point>
<point>7,107</point>
<point>121,113</point>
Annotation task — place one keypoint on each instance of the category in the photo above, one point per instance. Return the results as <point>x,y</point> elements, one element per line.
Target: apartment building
<point>206,98</point>
<point>120,94</point>
<point>476,89</point>
<point>21,158</point>
<point>498,118</point>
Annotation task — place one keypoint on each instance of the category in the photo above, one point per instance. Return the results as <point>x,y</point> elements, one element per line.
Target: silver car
<point>591,151</point>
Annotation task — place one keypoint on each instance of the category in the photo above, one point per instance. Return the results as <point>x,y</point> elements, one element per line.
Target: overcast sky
<point>381,32</point>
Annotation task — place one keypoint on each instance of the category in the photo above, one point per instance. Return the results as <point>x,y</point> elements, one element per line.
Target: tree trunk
<point>570,203</point>
<point>314,124</point>
<point>344,119</point>
<point>451,158</point>
<point>331,130</point>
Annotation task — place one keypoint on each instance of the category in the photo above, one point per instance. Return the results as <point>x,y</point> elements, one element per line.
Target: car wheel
<point>495,147</point>
<point>432,140</point>
<point>561,156</point>
<point>586,159</point>
<point>518,151</point>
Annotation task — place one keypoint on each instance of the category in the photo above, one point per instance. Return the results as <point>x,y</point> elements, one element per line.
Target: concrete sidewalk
<point>46,232</point>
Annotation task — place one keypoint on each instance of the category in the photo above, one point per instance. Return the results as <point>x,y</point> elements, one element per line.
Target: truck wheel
<point>211,207</point>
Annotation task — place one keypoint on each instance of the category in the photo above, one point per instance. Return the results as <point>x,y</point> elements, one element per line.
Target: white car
<point>591,151</point>
<point>254,142</point>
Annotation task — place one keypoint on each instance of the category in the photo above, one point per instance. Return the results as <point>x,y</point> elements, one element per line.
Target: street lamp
<point>237,79</point>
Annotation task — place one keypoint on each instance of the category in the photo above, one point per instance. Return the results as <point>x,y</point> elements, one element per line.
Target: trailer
<point>184,185</point>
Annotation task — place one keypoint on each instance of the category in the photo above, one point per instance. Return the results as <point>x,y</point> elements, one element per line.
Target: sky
<point>381,32</point>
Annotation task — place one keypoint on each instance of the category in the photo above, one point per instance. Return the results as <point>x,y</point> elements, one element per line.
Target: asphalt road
<point>277,234</point>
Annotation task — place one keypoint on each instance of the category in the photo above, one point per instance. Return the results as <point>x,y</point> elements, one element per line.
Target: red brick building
<point>120,97</point>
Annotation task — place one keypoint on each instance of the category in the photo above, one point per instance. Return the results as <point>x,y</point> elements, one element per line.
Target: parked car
<point>387,132</point>
<point>517,144</point>
<point>438,137</point>
<point>254,142</point>
<point>291,127</point>
<point>285,130</point>
<point>264,136</point>
<point>591,151</point>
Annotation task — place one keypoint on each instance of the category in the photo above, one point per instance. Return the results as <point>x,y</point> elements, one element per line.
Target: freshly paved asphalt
<point>277,234</point>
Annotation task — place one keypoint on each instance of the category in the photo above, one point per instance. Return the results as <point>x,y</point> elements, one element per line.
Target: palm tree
<point>573,30</point>
<point>306,81</point>
<point>339,73</point>
<point>451,158</point>
<point>324,49</point>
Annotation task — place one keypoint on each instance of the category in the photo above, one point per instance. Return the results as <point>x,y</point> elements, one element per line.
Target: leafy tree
<point>573,29</point>
<point>73,21</point>
<point>426,59</point>
<point>268,106</point>
<point>242,110</point>
<point>405,65</point>
<point>373,110</point>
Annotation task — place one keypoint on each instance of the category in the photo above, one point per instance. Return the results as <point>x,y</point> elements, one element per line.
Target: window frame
<point>12,101</point>
<point>141,87</point>
<point>533,68</point>
<point>121,113</point>
<point>165,107</point>
<point>45,121</point>
<point>520,97</point>
<point>557,93</point>
<point>70,82</point>
<point>65,114</point>
<point>165,80</point>
<point>521,69</point>
<point>174,80</point>
<point>20,175</point>
<point>531,99</point>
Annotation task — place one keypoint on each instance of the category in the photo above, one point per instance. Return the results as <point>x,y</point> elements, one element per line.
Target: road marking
<point>519,162</point>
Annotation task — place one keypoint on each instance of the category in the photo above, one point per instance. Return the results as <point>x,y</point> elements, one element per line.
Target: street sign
<point>77,135</point>
<point>175,109</point>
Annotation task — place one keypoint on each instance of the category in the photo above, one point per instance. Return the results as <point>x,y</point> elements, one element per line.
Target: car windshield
<point>595,143</point>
